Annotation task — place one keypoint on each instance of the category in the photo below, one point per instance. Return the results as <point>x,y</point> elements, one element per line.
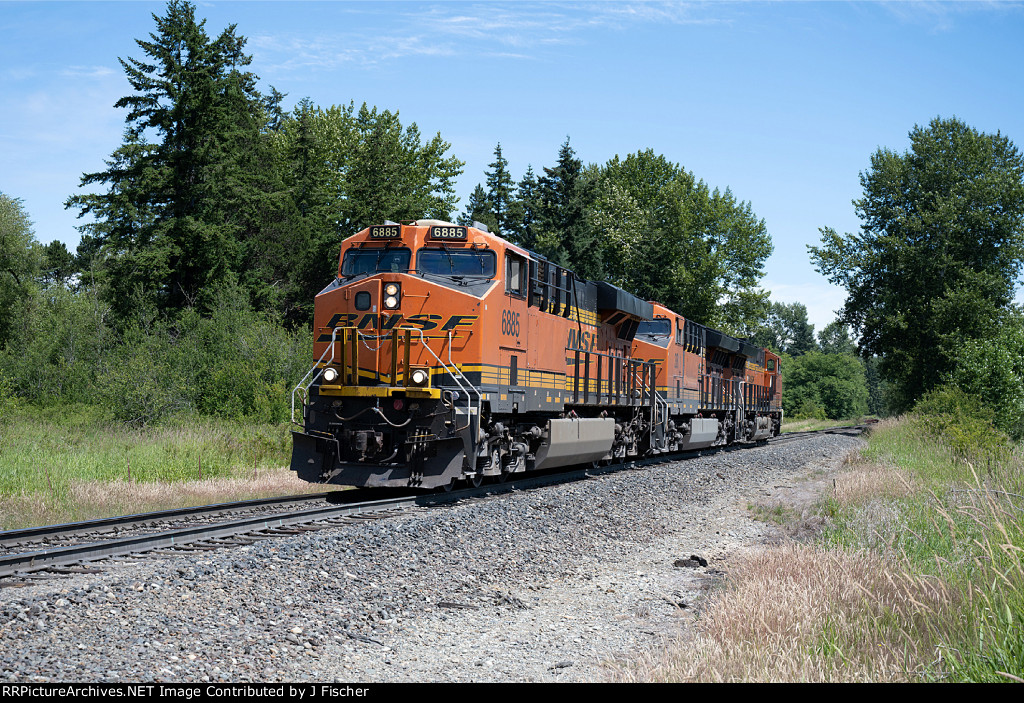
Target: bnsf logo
<point>372,321</point>
<point>584,341</point>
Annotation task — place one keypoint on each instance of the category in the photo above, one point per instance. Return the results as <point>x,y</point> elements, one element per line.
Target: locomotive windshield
<point>457,262</point>
<point>657,331</point>
<point>375,260</point>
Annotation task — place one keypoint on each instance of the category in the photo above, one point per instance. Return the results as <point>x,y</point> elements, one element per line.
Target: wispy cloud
<point>487,30</point>
<point>88,71</point>
<point>330,52</point>
<point>940,16</point>
<point>17,73</point>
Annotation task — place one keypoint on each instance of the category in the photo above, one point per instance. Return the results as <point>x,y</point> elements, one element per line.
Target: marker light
<point>330,374</point>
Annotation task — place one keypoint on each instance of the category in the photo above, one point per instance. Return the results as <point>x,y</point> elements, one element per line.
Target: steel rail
<point>15,564</point>
<point>9,538</point>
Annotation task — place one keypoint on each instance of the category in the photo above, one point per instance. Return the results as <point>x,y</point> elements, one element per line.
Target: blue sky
<point>783,102</point>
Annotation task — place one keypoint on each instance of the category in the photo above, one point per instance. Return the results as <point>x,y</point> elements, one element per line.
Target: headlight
<point>391,289</point>
<point>391,302</point>
<point>392,295</point>
<point>330,374</point>
<point>419,377</point>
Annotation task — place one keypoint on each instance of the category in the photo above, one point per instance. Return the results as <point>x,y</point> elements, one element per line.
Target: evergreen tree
<point>495,207</point>
<point>179,213</point>
<point>524,219</point>
<point>565,235</point>
<point>479,209</point>
<point>499,193</point>
<point>59,264</point>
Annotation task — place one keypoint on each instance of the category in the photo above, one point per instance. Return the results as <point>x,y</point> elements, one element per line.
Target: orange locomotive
<point>446,353</point>
<point>716,389</point>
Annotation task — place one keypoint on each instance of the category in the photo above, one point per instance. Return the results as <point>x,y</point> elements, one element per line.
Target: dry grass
<point>919,575</point>
<point>810,424</point>
<point>803,613</point>
<point>866,480</point>
<point>95,499</point>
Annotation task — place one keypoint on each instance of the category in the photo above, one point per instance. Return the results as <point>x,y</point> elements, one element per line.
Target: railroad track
<point>54,535</point>
<point>797,436</point>
<point>53,550</point>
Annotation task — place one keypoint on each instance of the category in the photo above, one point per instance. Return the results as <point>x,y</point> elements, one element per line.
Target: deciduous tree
<point>669,237</point>
<point>20,259</point>
<point>835,339</point>
<point>938,253</point>
<point>833,383</point>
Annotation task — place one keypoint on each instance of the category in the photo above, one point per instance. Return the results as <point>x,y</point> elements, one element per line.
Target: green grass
<point>774,514</point>
<point>962,528</point>
<point>48,457</point>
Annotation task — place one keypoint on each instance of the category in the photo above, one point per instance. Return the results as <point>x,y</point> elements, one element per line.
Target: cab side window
<point>515,267</point>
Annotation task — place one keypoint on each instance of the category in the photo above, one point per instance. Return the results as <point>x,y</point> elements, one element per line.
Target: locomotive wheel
<point>450,486</point>
<point>475,480</point>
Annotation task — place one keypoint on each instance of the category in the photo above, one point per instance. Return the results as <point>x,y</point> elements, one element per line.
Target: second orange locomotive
<point>446,353</point>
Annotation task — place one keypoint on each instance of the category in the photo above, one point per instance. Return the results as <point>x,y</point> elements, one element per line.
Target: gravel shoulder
<point>551,584</point>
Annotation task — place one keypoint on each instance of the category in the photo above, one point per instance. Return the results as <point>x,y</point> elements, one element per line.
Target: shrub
<point>960,420</point>
<point>235,363</point>
<point>8,400</point>
<point>992,370</point>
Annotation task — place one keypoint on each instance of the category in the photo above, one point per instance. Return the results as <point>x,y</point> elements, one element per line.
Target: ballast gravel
<point>550,584</point>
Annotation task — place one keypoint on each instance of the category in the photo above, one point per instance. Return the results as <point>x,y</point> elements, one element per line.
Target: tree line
<point>641,222</point>
<point>218,218</point>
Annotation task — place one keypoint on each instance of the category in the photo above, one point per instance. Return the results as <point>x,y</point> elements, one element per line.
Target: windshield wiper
<point>451,262</point>
<point>376,265</point>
